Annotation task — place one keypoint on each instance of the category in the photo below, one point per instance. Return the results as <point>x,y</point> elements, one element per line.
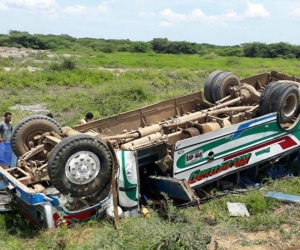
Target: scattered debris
<point>237,209</point>
<point>157,205</point>
<point>4,202</point>
<point>212,243</point>
<point>145,212</point>
<point>286,198</point>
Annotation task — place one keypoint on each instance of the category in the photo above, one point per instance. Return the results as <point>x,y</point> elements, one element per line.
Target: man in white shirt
<point>89,117</point>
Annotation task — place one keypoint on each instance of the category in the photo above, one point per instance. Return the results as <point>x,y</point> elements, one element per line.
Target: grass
<point>127,81</point>
<point>271,222</point>
<point>69,94</point>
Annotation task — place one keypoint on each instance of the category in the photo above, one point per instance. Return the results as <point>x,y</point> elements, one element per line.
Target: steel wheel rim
<point>290,105</point>
<point>82,167</point>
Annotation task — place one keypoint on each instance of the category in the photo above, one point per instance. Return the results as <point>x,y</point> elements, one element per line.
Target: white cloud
<point>103,7</point>
<point>75,9</point>
<point>165,24</point>
<point>31,5</point>
<point>231,15</point>
<point>49,8</point>
<point>295,12</point>
<point>3,7</point>
<point>256,10</point>
<point>172,17</point>
<point>198,15</point>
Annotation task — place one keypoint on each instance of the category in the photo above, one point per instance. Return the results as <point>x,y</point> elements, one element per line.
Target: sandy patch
<point>35,108</point>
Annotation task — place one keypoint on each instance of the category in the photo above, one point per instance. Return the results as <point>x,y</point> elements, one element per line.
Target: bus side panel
<point>210,156</point>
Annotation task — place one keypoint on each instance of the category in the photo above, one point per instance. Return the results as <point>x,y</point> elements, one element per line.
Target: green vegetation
<point>21,39</point>
<point>71,83</point>
<point>173,228</point>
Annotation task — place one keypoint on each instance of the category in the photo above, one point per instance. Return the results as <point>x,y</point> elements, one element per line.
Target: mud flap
<point>178,190</point>
<point>128,184</point>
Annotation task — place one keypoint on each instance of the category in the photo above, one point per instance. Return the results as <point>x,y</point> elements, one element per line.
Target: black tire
<point>285,101</point>
<point>208,85</point>
<point>29,127</point>
<point>265,98</point>
<point>222,84</point>
<point>80,180</point>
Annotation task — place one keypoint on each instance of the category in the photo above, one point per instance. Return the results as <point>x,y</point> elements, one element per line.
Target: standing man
<point>6,128</point>
<point>89,117</point>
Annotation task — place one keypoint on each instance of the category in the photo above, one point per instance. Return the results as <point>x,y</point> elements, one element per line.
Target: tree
<point>159,45</point>
<point>141,47</point>
<point>256,49</point>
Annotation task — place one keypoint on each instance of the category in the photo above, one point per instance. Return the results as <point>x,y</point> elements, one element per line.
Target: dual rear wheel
<point>280,97</point>
<point>218,85</point>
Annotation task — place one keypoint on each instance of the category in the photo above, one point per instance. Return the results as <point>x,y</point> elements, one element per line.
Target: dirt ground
<point>14,52</point>
<point>270,240</point>
<point>6,52</point>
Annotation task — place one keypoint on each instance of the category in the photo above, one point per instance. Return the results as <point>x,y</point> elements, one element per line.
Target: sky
<point>218,22</point>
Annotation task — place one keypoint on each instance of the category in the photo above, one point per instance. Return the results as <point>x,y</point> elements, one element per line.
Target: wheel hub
<point>82,167</point>
<point>290,105</point>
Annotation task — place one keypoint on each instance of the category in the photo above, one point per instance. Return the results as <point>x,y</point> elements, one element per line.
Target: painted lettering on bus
<point>237,162</point>
<point>264,151</point>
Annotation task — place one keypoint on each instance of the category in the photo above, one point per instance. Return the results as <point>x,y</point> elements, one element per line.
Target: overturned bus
<point>68,175</point>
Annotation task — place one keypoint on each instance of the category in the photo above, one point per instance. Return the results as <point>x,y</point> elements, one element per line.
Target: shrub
<point>66,64</point>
